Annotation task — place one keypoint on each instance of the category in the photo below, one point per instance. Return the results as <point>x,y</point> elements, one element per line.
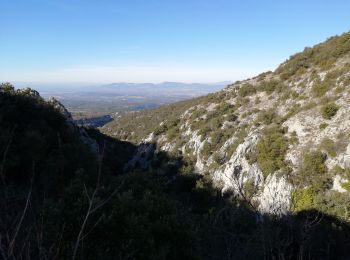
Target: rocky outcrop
<point>237,171</point>
<point>83,135</point>
<point>337,184</point>
<point>61,108</point>
<point>142,157</point>
<point>275,197</point>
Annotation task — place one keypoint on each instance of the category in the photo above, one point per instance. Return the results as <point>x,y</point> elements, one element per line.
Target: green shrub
<point>231,117</point>
<point>313,170</point>
<point>319,88</point>
<point>246,90</point>
<point>271,150</point>
<point>160,129</point>
<point>206,149</point>
<point>329,110</point>
<point>271,86</point>
<point>328,145</point>
<point>249,189</point>
<point>268,117</point>
<point>7,88</point>
<point>218,158</point>
<point>323,126</point>
<point>204,131</point>
<point>294,138</point>
<point>263,75</point>
<point>217,137</point>
<point>289,93</point>
<point>303,199</point>
<point>346,185</point>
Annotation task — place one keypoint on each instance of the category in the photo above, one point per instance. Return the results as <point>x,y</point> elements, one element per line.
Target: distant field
<point>117,98</point>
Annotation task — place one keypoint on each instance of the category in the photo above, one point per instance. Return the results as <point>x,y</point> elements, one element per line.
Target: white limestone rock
<point>337,184</point>
<point>237,171</point>
<point>276,195</point>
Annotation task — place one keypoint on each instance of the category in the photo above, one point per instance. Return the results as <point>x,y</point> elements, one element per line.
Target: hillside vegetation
<point>283,134</point>
<point>62,187</point>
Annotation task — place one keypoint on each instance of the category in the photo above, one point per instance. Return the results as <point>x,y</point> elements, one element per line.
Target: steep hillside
<point>279,140</point>
<point>62,186</point>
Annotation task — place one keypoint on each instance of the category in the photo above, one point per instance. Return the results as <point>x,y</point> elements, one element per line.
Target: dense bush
<point>246,90</point>
<point>313,170</point>
<point>268,117</point>
<point>271,150</point>
<point>329,110</point>
<point>323,126</point>
<point>271,86</point>
<point>303,199</point>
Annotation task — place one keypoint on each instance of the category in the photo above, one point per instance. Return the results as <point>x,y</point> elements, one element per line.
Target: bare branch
<point>13,240</point>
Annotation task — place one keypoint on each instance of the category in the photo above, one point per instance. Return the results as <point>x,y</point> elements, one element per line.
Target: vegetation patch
<point>271,86</point>
<point>329,110</point>
<point>313,171</point>
<point>271,150</point>
<point>303,199</point>
<point>268,117</point>
<point>329,146</point>
<point>323,126</point>
<point>246,90</point>
<point>320,88</point>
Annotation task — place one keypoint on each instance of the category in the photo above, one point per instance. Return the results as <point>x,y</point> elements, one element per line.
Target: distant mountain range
<point>166,88</point>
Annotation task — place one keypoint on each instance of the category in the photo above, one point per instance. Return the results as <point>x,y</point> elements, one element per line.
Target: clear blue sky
<point>158,40</point>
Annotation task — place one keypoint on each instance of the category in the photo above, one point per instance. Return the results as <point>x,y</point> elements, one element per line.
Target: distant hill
<point>165,88</point>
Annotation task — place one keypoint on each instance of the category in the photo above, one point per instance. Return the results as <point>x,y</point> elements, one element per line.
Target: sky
<point>90,41</point>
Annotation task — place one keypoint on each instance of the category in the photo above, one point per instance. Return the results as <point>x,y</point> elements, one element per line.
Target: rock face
<point>237,171</point>
<point>58,105</point>
<point>276,195</point>
<point>84,137</point>
<point>141,158</point>
<point>337,184</point>
<point>346,157</point>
